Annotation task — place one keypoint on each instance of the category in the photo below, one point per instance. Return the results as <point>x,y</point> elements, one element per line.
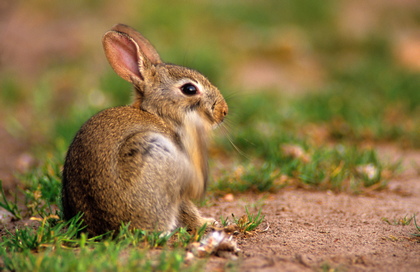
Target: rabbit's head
<point>169,91</point>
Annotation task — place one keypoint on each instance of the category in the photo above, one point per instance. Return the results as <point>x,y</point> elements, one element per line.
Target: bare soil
<point>320,230</point>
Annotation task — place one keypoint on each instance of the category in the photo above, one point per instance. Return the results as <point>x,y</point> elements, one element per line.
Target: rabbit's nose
<point>225,110</point>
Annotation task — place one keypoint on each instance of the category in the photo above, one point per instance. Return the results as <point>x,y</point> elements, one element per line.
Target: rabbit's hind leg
<point>190,217</point>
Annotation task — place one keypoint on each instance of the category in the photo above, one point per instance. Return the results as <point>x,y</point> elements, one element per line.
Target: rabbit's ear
<point>145,46</point>
<point>129,53</point>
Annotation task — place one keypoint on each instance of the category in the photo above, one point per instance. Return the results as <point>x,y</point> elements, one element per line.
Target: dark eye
<point>189,89</point>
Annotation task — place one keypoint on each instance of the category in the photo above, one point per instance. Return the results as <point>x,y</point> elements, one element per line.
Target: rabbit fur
<point>146,162</point>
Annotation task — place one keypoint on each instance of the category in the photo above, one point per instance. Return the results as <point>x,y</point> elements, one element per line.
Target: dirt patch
<point>311,230</point>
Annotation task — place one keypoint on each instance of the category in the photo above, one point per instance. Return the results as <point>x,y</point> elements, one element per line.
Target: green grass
<point>11,207</point>
<point>57,245</point>
<point>38,193</point>
<point>417,233</point>
<point>321,139</point>
<point>358,108</point>
<point>338,167</point>
<point>404,221</point>
<point>50,232</point>
<point>327,267</point>
<point>248,222</point>
<point>103,257</point>
<point>48,243</point>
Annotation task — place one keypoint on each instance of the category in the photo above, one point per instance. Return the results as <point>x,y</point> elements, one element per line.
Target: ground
<point>312,230</point>
<point>306,230</point>
<point>303,230</point>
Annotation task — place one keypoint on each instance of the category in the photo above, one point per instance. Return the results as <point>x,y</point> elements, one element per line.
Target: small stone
<point>229,197</point>
<point>5,216</point>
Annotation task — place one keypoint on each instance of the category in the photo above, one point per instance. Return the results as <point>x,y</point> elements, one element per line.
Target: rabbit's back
<point>124,165</point>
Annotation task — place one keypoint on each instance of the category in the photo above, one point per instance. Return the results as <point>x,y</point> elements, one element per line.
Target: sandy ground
<point>311,230</point>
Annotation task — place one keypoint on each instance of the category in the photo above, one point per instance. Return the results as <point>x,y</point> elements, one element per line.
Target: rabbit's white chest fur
<point>190,158</point>
<point>193,135</point>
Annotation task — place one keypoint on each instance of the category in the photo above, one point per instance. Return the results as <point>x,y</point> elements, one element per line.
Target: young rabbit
<point>143,163</point>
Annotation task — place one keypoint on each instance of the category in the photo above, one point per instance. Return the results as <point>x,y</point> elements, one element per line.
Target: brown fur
<point>143,163</point>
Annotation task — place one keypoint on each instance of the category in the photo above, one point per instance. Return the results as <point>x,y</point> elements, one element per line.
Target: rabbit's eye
<point>189,89</point>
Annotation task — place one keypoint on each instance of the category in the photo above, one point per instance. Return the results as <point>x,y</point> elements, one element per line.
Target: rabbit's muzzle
<point>220,110</point>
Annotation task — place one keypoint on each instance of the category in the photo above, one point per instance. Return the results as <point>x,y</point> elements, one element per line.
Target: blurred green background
<point>315,89</point>
<point>321,71</point>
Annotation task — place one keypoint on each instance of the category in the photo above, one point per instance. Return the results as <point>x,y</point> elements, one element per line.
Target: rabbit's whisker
<point>227,134</point>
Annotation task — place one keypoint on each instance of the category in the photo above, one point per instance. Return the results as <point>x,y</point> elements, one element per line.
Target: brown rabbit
<point>143,163</point>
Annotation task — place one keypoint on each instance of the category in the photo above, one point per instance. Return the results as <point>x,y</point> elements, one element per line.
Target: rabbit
<point>144,163</point>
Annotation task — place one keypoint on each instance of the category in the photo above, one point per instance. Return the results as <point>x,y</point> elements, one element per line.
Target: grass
<point>56,245</point>
<point>404,221</point>
<point>47,243</point>
<point>11,207</point>
<point>103,257</point>
<point>327,267</point>
<point>248,222</point>
<point>50,244</point>
<point>38,194</point>
<point>381,110</point>
<point>337,168</point>
<point>321,139</point>
<point>417,233</point>
<point>51,232</point>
